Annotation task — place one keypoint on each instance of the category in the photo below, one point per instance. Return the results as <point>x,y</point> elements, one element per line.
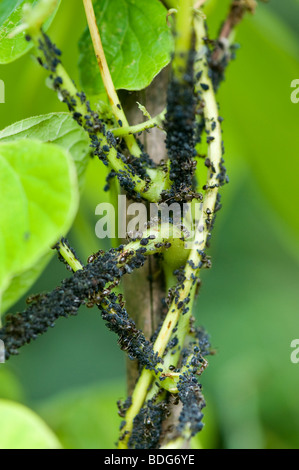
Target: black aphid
<point>180,125</point>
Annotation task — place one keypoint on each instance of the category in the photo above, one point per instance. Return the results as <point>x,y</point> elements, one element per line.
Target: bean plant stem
<point>192,268</point>
<point>174,3</point>
<point>151,189</point>
<point>179,66</point>
<point>156,237</point>
<point>177,320</point>
<point>150,123</point>
<point>182,39</point>
<point>107,79</point>
<point>199,3</point>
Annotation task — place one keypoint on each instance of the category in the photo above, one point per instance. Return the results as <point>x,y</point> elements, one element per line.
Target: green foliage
<point>21,283</point>
<point>11,14</point>
<point>22,429</point>
<point>250,302</point>
<point>93,410</point>
<point>136,40</point>
<point>262,115</point>
<point>10,387</point>
<point>57,128</point>
<point>38,203</point>
<point>253,316</point>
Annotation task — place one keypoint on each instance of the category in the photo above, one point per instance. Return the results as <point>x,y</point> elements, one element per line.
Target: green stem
<point>150,123</point>
<point>179,64</point>
<point>183,31</point>
<point>192,268</point>
<point>157,180</point>
<point>68,256</point>
<point>158,240</point>
<point>107,79</point>
<point>177,443</point>
<point>171,359</point>
<point>171,3</point>
<point>34,18</point>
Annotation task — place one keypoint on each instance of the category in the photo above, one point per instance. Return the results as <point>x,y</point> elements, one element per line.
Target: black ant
<point>208,214</point>
<point>94,256</point>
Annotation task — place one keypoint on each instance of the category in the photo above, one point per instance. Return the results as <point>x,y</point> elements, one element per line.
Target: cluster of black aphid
<point>130,339</point>
<point>219,56</point>
<point>198,347</point>
<point>179,125</point>
<point>138,164</point>
<point>147,425</point>
<point>189,390</point>
<point>181,304</point>
<point>94,283</point>
<point>94,125</point>
<point>90,285</point>
<point>193,402</point>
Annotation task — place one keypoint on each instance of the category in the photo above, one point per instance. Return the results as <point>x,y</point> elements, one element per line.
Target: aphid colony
<point>95,283</point>
<point>91,285</point>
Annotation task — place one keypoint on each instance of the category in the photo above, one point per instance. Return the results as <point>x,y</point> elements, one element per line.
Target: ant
<point>209,213</point>
<point>94,256</point>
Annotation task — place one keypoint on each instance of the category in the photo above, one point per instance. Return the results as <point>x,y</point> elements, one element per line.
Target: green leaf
<point>256,104</point>
<point>261,317</point>
<point>57,128</point>
<point>10,386</point>
<point>21,283</point>
<point>93,409</point>
<point>21,428</point>
<point>11,14</point>
<point>136,40</point>
<point>38,202</point>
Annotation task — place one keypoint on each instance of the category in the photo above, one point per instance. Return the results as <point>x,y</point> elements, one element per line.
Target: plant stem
<point>170,3</point>
<point>179,66</point>
<point>68,256</point>
<point>192,268</point>
<point>156,181</point>
<point>174,3</point>
<point>237,11</point>
<point>150,123</point>
<point>204,88</point>
<point>177,443</point>
<point>198,4</point>
<point>153,183</point>
<point>34,18</point>
<point>183,37</point>
<point>107,79</point>
<point>158,240</point>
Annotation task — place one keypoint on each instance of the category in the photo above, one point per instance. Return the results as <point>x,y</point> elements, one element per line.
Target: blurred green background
<point>248,302</point>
